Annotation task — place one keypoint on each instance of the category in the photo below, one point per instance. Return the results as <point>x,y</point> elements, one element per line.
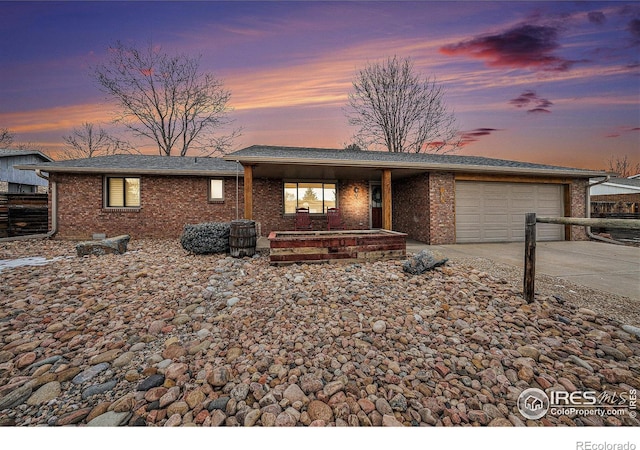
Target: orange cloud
<point>55,119</point>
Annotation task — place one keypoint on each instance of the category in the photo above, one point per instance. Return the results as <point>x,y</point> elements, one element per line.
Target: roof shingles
<point>144,164</point>
<point>163,165</point>
<point>277,154</point>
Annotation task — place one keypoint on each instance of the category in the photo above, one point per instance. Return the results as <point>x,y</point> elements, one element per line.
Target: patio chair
<point>334,221</point>
<point>303,219</point>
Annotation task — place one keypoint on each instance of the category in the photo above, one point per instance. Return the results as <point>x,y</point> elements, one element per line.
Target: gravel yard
<point>158,337</point>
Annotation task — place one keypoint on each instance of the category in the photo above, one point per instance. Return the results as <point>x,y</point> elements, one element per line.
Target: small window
<point>216,190</point>
<point>315,196</point>
<point>123,192</point>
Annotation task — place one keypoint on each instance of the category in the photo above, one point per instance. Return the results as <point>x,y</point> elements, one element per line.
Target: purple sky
<point>548,82</point>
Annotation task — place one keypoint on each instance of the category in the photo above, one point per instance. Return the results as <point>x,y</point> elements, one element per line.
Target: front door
<point>376,205</point>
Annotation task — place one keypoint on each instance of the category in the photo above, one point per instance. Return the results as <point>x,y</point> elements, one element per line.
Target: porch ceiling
<point>326,172</point>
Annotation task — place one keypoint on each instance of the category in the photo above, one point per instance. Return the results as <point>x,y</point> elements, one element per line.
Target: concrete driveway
<point>606,267</point>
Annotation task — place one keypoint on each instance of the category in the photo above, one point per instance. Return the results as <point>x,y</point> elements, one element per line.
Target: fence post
<point>529,257</point>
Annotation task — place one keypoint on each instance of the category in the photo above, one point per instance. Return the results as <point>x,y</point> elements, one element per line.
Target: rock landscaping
<point>161,337</point>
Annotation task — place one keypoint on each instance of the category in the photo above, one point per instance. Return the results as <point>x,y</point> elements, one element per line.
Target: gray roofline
<point>127,171</point>
<point>429,166</point>
<point>139,165</point>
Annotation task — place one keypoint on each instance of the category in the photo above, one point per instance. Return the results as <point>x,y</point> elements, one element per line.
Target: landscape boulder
<point>115,246</point>
<point>423,261</point>
<point>205,238</point>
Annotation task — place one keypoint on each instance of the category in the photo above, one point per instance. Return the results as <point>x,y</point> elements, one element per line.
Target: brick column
<point>442,221</point>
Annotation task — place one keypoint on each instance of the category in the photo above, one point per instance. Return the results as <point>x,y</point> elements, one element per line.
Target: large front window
<point>315,196</point>
<point>123,192</point>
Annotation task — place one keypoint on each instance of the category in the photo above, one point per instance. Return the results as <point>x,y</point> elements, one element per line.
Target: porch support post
<point>248,192</point>
<point>386,199</point>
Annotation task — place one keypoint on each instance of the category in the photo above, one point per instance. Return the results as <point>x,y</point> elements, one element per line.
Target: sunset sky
<point>547,82</point>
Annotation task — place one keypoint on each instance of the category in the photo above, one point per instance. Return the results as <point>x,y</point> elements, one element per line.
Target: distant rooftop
<point>634,182</point>
<point>7,152</point>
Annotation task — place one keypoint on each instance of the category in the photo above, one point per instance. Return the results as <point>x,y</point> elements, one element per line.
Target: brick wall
<point>423,206</point>
<point>167,204</point>
<point>411,207</point>
<point>354,207</point>
<point>268,206</point>
<point>578,194</point>
<point>442,228</point>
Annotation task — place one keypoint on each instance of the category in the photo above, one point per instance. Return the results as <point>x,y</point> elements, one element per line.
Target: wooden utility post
<point>529,257</point>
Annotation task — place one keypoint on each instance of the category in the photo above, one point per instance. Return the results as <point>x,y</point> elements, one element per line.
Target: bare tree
<point>623,167</point>
<point>89,141</point>
<point>6,137</point>
<point>393,107</point>
<point>166,99</point>
<point>353,147</point>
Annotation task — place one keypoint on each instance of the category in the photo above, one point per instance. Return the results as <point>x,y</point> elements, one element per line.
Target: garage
<point>494,212</point>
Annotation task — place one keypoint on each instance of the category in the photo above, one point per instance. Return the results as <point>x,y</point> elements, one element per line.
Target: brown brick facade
<point>411,207</point>
<point>423,206</point>
<point>167,204</point>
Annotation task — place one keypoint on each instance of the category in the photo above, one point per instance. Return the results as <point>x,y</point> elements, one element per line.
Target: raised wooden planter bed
<point>287,247</point>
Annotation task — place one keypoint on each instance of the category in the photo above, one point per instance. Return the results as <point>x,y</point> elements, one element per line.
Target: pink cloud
<point>469,137</point>
<point>524,46</point>
<point>531,100</point>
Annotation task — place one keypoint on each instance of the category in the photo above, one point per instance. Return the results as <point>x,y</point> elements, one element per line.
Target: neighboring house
<point>437,199</point>
<point>617,195</point>
<point>16,181</point>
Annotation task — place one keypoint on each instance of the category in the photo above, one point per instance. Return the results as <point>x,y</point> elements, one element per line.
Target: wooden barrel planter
<point>242,238</point>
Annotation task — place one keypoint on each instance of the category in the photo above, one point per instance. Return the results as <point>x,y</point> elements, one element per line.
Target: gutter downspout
<point>588,210</point>
<point>54,204</point>
<point>237,188</point>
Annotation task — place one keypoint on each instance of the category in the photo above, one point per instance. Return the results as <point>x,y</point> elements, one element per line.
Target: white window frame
<point>210,191</point>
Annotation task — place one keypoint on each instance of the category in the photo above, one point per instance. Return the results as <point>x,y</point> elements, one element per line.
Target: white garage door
<point>494,212</point>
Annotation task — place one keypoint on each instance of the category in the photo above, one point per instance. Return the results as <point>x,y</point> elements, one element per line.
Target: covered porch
<point>372,190</point>
<point>272,193</point>
<point>368,196</point>
<point>362,197</point>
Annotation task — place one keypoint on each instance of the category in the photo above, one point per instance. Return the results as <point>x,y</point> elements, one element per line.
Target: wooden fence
<point>616,233</point>
<point>23,214</point>
<point>530,241</point>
